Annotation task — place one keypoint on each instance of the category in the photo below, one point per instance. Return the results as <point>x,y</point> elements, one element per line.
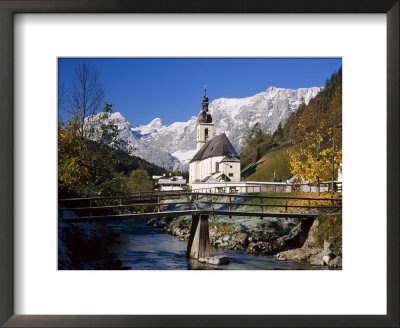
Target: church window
<point>216,167</point>
<point>231,174</point>
<point>205,134</point>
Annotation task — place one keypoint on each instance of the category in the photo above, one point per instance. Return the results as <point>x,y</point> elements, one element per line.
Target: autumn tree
<point>99,166</point>
<point>72,171</point>
<point>86,96</point>
<point>325,107</point>
<point>62,96</point>
<point>314,160</point>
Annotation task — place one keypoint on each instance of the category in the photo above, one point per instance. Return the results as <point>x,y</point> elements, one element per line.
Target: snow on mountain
<point>269,108</point>
<point>173,146</point>
<point>185,156</point>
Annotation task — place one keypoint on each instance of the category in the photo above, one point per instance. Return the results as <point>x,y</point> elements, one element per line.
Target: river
<point>142,247</point>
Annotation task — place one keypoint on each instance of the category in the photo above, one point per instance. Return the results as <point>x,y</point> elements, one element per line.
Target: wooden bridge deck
<point>163,195</point>
<point>199,243</point>
<point>131,216</point>
<point>192,204</point>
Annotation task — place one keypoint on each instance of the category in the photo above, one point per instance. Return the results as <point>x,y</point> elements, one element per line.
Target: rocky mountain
<point>173,146</point>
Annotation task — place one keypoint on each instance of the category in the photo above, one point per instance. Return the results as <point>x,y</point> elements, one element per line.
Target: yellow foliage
<point>301,205</point>
<point>314,202</point>
<point>70,168</point>
<point>314,160</point>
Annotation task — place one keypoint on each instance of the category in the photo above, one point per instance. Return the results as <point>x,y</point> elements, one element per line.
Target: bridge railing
<point>169,194</point>
<point>144,203</point>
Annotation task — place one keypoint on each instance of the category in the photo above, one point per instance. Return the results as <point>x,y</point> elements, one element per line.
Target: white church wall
<point>231,170</point>
<point>201,169</point>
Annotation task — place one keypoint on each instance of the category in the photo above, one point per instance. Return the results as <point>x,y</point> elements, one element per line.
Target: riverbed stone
<point>323,257</point>
<point>318,261</point>
<point>336,262</point>
<point>240,238</point>
<point>263,247</point>
<point>215,260</point>
<point>326,259</point>
<point>226,238</point>
<point>297,254</point>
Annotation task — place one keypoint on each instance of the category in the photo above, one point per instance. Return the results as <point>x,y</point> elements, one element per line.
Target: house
<point>305,185</point>
<point>216,157</point>
<point>169,183</point>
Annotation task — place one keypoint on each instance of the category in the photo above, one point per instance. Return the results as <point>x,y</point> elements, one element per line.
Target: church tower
<point>205,126</point>
<point>216,160</point>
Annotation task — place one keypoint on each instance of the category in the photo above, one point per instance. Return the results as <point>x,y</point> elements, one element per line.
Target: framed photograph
<point>149,148</point>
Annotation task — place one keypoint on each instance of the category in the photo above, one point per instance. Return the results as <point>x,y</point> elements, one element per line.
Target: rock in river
<point>215,260</point>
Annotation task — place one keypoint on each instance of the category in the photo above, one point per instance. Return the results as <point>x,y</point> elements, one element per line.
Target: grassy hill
<point>277,160</point>
<point>310,127</point>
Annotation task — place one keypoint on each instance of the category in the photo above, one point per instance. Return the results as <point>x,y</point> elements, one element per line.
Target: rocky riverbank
<point>311,252</point>
<point>287,239</point>
<point>85,246</point>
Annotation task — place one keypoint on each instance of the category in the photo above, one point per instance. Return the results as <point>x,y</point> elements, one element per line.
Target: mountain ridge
<point>232,116</point>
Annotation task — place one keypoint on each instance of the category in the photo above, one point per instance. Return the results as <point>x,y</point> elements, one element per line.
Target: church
<point>216,159</point>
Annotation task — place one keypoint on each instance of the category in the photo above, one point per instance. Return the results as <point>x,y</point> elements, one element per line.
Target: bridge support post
<point>199,240</point>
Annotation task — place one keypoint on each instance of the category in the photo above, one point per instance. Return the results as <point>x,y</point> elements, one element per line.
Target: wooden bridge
<point>199,205</point>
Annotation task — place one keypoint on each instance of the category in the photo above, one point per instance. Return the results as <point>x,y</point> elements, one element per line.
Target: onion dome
<point>202,118</point>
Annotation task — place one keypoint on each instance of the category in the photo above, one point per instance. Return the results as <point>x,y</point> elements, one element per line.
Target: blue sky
<point>145,88</point>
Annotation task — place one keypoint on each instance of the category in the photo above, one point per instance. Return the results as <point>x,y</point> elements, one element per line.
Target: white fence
<point>257,187</point>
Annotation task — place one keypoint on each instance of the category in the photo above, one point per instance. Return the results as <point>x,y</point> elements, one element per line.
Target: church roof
<point>217,146</point>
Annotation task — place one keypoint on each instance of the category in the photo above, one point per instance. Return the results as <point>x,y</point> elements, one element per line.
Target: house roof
<point>172,181</point>
<point>230,158</point>
<point>217,146</point>
<point>209,179</point>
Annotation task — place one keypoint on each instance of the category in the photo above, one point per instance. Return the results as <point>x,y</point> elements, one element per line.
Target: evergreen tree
<point>278,134</point>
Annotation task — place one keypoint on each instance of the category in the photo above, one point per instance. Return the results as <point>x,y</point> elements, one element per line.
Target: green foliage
<point>277,160</point>
<point>255,148</point>
<point>101,167</point>
<point>223,227</point>
<point>272,201</point>
<point>330,229</point>
<point>278,134</point>
<point>258,143</point>
<point>136,181</point>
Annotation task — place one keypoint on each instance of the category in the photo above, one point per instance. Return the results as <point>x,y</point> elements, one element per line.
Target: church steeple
<point>204,116</point>
<point>204,103</point>
<point>205,127</point>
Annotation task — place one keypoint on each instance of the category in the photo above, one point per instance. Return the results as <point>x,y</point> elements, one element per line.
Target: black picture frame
<point>10,7</point>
